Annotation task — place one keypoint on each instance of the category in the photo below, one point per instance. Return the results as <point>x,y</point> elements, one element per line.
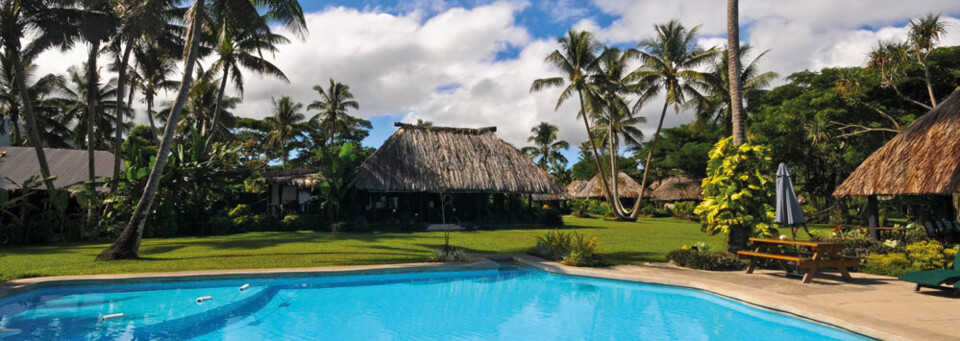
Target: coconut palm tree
<point>547,147</point>
<point>74,101</point>
<point>241,47</point>
<point>716,104</point>
<point>670,60</point>
<point>153,67</point>
<point>735,86</point>
<point>924,35</point>
<point>285,124</point>
<point>50,25</point>
<point>333,104</point>
<point>47,111</point>
<point>577,61</point>
<point>614,119</point>
<point>286,13</point>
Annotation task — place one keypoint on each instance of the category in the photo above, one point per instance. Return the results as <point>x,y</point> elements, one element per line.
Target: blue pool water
<point>498,304</point>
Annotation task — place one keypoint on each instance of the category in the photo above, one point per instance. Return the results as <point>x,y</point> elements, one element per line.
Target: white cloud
<point>438,62</point>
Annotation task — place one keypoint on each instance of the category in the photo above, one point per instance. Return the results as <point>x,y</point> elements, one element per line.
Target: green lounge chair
<point>935,278</point>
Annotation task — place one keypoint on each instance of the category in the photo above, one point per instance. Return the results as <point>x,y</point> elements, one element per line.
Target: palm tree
<point>284,12</point>
<point>96,26</point>
<point>924,35</point>
<point>890,59</point>
<point>240,46</point>
<point>577,61</point>
<point>547,147</point>
<point>74,101</point>
<point>733,73</point>
<point>614,117</point>
<point>285,124</point>
<point>716,104</point>
<point>47,111</point>
<point>669,67</point>
<point>51,26</point>
<point>154,64</point>
<point>199,112</point>
<point>138,21</point>
<point>333,104</point>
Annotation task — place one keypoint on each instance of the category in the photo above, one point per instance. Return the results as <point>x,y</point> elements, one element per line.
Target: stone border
<point>724,289</point>
<point>20,286</point>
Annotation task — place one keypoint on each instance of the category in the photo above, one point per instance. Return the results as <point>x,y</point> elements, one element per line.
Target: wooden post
<point>873,214</point>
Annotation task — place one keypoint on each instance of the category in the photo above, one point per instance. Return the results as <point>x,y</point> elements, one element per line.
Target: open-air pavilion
<point>923,159</point>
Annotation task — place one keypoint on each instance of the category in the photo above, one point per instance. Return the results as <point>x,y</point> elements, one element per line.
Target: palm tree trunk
<point>733,71</point>
<point>33,132</point>
<point>596,156</point>
<point>611,142</point>
<point>128,243</point>
<point>92,115</point>
<point>118,137</point>
<point>646,164</point>
<point>15,138</point>
<point>216,108</point>
<point>926,79</point>
<point>153,125</point>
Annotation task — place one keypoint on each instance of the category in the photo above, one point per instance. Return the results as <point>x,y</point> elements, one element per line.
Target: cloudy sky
<point>470,63</point>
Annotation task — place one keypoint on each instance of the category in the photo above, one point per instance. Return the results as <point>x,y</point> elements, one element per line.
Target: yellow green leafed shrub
<point>737,191</point>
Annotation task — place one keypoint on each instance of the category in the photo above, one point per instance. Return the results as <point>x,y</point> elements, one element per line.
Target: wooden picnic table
<point>813,256</point>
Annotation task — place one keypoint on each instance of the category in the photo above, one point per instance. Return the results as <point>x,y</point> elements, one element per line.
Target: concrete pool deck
<point>876,306</point>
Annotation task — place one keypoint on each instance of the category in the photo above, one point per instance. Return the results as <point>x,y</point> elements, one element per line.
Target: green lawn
<point>647,240</point>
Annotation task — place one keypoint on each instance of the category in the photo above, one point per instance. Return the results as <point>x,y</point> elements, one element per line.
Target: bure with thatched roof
<point>451,160</point>
<point>626,187</point>
<point>922,159</point>
<point>290,190</point>
<point>677,188</point>
<point>439,174</point>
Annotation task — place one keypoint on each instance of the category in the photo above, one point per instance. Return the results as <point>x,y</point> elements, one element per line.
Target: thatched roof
<point>293,177</point>
<point>922,159</point>
<point>626,187</point>
<point>677,188</point>
<point>575,186</point>
<point>68,165</point>
<point>441,159</point>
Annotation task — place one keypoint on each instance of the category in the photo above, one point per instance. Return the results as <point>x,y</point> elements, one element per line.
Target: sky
<point>470,63</point>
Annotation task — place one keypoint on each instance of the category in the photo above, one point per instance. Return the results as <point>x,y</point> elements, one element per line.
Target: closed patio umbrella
<point>788,212</point>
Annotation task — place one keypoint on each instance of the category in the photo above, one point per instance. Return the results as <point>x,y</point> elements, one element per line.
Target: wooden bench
<point>819,256</point>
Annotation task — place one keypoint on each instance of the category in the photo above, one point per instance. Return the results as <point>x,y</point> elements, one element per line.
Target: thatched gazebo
<point>923,159</point>
<point>677,188</point>
<point>290,190</point>
<point>627,188</point>
<point>466,165</point>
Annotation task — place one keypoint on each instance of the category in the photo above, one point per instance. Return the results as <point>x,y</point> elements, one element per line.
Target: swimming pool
<point>510,303</point>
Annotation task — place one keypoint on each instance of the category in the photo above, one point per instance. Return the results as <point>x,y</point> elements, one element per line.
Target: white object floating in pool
<point>204,298</point>
<point>244,287</point>
<point>111,316</point>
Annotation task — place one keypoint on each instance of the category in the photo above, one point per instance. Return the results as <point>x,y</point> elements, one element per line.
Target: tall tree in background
<point>547,147</point>
<point>333,104</point>
<point>924,35</point>
<point>716,104</point>
<point>73,100</point>
<point>577,61</point>
<point>47,111</point>
<point>241,47</point>
<point>669,67</point>
<point>153,67</point>
<point>284,12</point>
<point>733,72</point>
<point>50,26</point>
<point>285,123</point>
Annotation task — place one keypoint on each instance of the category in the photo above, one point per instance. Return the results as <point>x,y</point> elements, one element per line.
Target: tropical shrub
<point>579,207</point>
<point>700,257</point>
<point>549,217</point>
<point>573,248</point>
<point>448,254</point>
<point>736,193</point>
<point>923,255</point>
<point>684,209</point>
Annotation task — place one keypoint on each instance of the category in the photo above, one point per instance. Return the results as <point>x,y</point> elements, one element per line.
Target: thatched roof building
<point>922,159</point>
<point>677,188</point>
<point>626,187</point>
<point>576,186</point>
<point>70,166</point>
<point>451,160</point>
<point>302,178</point>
